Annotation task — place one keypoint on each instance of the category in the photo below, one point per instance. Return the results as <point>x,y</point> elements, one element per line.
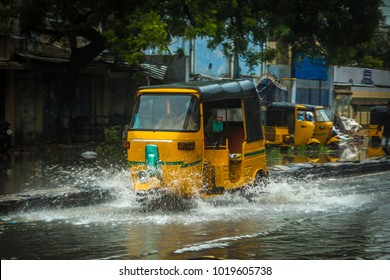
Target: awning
<point>42,58</point>
<point>368,102</point>
<point>344,91</point>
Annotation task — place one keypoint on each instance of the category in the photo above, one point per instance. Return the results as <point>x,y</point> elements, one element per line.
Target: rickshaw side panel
<point>275,135</point>
<point>255,160</point>
<point>217,161</point>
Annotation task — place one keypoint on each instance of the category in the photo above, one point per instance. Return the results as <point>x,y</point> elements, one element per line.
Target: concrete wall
<point>210,62</point>
<point>307,91</point>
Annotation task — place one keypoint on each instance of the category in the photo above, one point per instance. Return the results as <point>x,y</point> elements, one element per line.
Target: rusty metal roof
<point>154,70</point>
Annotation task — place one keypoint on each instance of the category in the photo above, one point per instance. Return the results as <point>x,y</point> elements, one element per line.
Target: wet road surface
<point>324,218</point>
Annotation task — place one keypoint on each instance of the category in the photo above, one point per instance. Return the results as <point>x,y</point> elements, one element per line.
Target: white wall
<point>354,75</point>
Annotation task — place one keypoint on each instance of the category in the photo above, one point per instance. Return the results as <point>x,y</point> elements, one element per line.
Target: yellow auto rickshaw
<point>196,139</point>
<point>374,148</point>
<point>289,125</point>
<point>323,130</point>
<point>375,135</point>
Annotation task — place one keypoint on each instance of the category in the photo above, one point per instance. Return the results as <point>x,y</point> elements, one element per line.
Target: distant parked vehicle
<point>289,125</point>
<point>323,130</point>
<point>376,115</point>
<point>5,136</point>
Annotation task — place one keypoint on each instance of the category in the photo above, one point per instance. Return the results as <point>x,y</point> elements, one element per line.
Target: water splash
<point>288,197</point>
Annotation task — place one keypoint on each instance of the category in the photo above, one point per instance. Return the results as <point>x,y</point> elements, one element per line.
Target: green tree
<point>334,29</point>
<point>86,28</point>
<point>127,28</point>
<point>375,53</point>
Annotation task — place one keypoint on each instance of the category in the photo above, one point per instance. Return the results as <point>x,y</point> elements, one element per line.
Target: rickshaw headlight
<point>288,138</point>
<point>143,176</point>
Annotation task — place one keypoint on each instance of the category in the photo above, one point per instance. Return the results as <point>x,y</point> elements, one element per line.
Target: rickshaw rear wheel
<point>261,179</point>
<point>257,188</point>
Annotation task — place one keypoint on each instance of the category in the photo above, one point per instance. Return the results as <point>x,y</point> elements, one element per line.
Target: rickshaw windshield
<point>322,116</point>
<point>166,112</point>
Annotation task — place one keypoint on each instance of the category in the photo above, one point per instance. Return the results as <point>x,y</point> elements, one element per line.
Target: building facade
<point>32,85</point>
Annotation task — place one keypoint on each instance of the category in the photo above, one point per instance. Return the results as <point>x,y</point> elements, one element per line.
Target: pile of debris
<point>349,129</point>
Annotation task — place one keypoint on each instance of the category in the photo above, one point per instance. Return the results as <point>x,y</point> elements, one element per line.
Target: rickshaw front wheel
<point>141,197</point>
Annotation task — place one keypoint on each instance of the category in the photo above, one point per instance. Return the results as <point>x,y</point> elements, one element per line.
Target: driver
<point>175,116</point>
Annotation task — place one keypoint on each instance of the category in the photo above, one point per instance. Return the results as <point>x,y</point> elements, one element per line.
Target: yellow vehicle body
<point>375,136</point>
<point>375,150</point>
<point>219,149</point>
<point>180,169</point>
<point>323,131</point>
<point>285,128</point>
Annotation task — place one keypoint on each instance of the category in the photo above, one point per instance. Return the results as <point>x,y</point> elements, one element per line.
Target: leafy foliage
<point>331,28</point>
<point>376,52</point>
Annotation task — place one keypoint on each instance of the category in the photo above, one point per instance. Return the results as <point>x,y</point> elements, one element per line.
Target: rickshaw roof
<point>377,113</point>
<point>216,89</point>
<point>285,105</point>
<point>312,107</point>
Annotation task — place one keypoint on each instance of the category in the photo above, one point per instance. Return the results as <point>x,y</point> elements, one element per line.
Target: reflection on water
<point>29,171</point>
<point>347,152</point>
<point>34,172</point>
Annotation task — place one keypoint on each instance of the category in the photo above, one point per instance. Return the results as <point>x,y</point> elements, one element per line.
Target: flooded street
<point>329,218</point>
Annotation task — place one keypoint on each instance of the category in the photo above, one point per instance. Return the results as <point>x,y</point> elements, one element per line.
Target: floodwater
<point>332,218</point>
